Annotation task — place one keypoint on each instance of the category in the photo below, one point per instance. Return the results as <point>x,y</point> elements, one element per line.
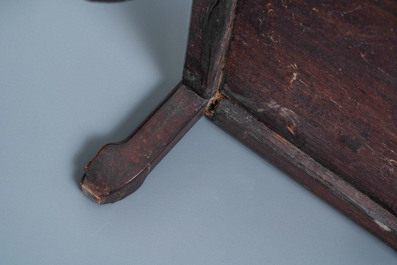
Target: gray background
<point>75,75</point>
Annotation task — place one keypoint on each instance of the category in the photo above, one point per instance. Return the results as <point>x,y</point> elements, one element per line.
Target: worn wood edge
<point>315,89</point>
<point>215,23</point>
<point>303,168</point>
<point>101,196</point>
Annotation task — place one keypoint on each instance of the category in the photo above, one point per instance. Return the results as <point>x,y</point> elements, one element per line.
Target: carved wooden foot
<point>120,169</point>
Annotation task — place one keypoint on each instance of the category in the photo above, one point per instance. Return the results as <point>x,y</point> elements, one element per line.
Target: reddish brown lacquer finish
<point>120,169</point>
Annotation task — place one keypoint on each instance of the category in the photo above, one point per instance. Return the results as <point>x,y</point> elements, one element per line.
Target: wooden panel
<point>311,174</point>
<point>323,75</point>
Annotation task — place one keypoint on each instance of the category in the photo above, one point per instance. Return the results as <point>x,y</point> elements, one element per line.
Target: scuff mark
<point>273,105</point>
<point>295,73</point>
<point>392,162</point>
<point>289,115</point>
<point>351,10</point>
<point>344,89</point>
<point>363,56</point>
<point>271,37</point>
<point>380,69</point>
<point>291,130</point>
<point>382,225</point>
<point>336,103</point>
<point>300,80</point>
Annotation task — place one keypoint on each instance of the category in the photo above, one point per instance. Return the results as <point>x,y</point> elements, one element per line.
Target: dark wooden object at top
<point>310,85</point>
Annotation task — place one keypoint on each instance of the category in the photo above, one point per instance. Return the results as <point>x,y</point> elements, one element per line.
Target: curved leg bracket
<point>120,169</point>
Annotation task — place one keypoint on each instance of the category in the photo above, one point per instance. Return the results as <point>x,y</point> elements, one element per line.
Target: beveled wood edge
<point>312,175</point>
<point>108,176</point>
<point>209,32</point>
<point>215,14</point>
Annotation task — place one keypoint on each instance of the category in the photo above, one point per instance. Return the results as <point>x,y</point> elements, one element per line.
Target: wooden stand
<point>309,85</point>
<point>120,169</point>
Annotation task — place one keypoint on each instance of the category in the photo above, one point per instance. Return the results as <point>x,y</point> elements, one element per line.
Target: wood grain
<point>120,169</point>
<point>323,182</point>
<point>210,29</point>
<point>323,75</point>
<point>309,85</point>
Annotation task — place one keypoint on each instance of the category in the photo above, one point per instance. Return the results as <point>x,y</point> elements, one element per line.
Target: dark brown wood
<point>315,177</point>
<point>324,75</point>
<point>210,28</point>
<point>310,85</point>
<point>120,169</point>
<point>321,76</point>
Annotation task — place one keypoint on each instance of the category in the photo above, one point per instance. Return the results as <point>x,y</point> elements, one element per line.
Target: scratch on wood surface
<point>363,56</point>
<point>290,116</point>
<point>344,89</point>
<point>273,105</point>
<point>295,73</point>
<point>291,130</point>
<point>392,162</point>
<point>336,103</point>
<point>380,69</point>
<point>383,226</point>
<point>352,10</point>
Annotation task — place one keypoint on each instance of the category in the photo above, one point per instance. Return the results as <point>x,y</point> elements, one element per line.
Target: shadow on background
<point>165,36</point>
